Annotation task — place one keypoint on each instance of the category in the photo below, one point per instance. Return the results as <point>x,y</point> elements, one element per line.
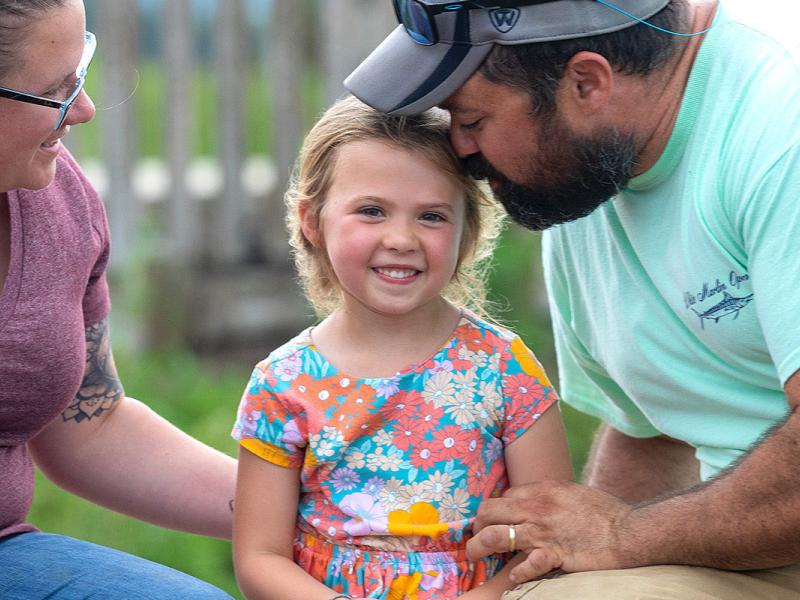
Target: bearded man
<point>658,143</point>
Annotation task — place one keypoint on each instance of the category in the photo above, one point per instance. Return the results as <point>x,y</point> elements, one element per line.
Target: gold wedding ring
<point>512,538</point>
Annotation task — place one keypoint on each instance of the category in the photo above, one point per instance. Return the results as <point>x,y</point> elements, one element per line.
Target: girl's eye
<point>371,211</point>
<point>432,217</point>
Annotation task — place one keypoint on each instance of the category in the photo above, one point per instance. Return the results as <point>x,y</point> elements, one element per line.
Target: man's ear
<point>309,224</point>
<point>587,85</point>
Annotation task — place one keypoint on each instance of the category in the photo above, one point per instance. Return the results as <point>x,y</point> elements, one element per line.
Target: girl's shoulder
<point>472,325</point>
<point>290,351</point>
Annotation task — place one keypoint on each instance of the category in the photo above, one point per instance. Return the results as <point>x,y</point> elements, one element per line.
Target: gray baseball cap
<point>403,77</point>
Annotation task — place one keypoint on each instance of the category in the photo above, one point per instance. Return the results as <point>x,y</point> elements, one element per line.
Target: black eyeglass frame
<point>431,10</point>
<point>62,105</point>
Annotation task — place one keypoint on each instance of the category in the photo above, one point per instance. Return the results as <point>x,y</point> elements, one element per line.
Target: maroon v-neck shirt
<point>54,288</point>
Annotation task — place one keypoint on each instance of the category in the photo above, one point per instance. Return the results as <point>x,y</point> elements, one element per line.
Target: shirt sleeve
<point>584,383</point>
<point>96,298</point>
<point>527,391</point>
<point>269,423</point>
<point>769,221</point>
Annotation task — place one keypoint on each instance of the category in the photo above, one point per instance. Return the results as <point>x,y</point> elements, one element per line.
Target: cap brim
<point>424,76</point>
<point>402,77</point>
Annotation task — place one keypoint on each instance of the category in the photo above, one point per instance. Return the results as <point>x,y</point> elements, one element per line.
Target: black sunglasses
<point>419,16</point>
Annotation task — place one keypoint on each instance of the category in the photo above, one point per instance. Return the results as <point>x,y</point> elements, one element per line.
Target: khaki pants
<point>667,583</point>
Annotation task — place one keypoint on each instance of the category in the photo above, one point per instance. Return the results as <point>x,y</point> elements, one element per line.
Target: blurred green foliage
<point>148,94</point>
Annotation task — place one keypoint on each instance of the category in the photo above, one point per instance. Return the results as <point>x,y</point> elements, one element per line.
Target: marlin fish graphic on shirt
<point>735,283</point>
<point>729,305</point>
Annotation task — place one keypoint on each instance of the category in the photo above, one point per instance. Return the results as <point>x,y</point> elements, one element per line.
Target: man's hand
<point>561,525</point>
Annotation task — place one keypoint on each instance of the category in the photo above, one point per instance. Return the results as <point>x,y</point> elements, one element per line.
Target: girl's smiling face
<point>391,226</point>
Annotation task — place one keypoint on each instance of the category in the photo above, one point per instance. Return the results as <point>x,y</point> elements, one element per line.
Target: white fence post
<point>351,29</point>
<point>288,63</point>
<point>227,222</point>
<point>119,19</point>
<point>182,239</point>
<point>218,214</point>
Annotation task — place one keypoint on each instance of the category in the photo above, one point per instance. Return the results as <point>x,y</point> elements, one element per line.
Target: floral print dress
<point>393,469</point>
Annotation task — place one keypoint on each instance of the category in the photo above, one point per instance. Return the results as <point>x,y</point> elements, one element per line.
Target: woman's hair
<point>16,16</point>
<point>349,120</point>
<point>538,68</point>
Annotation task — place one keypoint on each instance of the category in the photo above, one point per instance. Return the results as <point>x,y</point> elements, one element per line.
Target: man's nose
<point>463,142</point>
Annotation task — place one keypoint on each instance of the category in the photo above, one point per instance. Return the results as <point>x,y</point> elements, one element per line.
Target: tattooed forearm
<point>101,389</point>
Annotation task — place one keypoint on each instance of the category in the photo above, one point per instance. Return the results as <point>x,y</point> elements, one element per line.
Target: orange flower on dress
<point>320,392</point>
<point>408,432</point>
<point>524,389</point>
<point>423,456</point>
<point>527,361</point>
<point>475,340</point>
<point>355,414</point>
<point>258,403</point>
<point>405,587</point>
<point>450,442</point>
<point>403,402</point>
<point>421,519</point>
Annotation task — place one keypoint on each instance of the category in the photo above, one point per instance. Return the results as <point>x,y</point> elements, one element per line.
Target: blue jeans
<point>35,565</point>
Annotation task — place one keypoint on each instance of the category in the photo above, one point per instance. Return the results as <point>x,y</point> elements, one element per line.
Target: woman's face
<point>46,61</point>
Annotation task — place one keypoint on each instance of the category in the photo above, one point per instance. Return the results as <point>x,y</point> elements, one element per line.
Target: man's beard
<point>574,175</point>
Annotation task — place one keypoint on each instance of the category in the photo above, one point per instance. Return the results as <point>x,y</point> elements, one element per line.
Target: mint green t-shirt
<point>676,305</point>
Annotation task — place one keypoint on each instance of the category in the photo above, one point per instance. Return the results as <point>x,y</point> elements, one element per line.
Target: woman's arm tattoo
<point>101,389</point>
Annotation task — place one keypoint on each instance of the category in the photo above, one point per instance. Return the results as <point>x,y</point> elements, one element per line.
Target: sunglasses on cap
<point>419,16</point>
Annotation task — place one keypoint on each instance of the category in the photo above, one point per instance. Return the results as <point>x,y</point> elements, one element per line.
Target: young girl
<point>369,441</point>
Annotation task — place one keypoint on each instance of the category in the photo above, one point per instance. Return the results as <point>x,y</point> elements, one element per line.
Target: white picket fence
<point>213,211</point>
<point>346,30</point>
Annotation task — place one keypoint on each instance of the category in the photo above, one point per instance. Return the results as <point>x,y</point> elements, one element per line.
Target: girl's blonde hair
<point>349,120</point>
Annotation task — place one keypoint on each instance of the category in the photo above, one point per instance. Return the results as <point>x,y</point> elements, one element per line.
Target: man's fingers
<point>539,562</point>
<point>493,511</point>
<point>519,504</point>
<point>492,539</point>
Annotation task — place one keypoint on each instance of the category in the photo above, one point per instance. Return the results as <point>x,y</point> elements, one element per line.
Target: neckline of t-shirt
<point>10,290</point>
<point>687,115</point>
<point>463,315</point>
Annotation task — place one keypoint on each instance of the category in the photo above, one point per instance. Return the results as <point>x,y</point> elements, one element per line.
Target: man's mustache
<point>479,168</point>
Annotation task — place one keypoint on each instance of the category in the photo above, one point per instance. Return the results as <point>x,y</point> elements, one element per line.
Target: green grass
<point>201,400</point>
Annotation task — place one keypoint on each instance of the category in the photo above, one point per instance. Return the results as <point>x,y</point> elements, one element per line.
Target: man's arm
<point>117,452</point>
<point>747,518</point>
<point>639,469</point>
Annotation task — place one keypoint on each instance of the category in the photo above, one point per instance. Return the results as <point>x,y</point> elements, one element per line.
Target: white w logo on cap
<point>504,19</point>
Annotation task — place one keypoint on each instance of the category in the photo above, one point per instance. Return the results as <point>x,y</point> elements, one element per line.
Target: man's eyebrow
<point>453,107</point>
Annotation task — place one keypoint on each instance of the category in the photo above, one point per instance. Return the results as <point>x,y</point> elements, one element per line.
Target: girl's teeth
<point>395,273</point>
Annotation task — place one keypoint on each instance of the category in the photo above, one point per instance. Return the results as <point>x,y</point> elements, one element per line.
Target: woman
<point>61,403</point>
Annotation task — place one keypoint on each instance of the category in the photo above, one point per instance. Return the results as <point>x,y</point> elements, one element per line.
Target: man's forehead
<point>465,98</point>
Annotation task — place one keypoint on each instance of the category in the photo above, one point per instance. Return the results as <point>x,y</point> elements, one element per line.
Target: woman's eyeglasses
<point>63,106</point>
